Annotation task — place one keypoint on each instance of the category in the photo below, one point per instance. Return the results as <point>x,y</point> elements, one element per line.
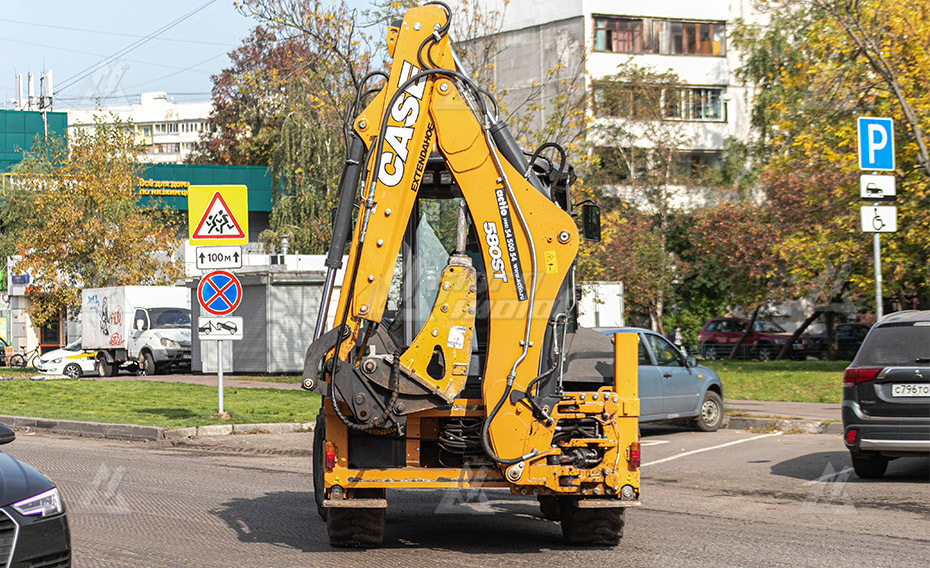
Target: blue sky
<point>74,38</point>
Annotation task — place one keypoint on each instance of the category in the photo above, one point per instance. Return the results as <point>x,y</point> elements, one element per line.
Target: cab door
<point>650,386</point>
<point>679,382</point>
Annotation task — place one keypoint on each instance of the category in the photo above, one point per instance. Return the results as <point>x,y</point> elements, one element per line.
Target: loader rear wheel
<point>549,507</point>
<point>319,490</point>
<point>591,527</point>
<point>357,528</point>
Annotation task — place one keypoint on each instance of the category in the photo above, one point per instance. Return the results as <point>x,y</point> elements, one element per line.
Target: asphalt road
<point>730,498</point>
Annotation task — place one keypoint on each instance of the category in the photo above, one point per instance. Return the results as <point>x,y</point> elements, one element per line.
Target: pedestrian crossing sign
<point>218,214</point>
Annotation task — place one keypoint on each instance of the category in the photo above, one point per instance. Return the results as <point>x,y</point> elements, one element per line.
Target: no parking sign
<point>219,293</point>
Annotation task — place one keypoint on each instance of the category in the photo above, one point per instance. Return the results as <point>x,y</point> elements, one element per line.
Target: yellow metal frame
<point>433,114</point>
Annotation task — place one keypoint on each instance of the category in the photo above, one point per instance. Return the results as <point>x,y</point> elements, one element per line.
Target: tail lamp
<point>852,376</point>
<point>329,456</point>
<point>635,456</point>
<point>851,435</point>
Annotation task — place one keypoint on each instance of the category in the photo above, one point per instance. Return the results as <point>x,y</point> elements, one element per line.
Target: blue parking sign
<point>876,144</point>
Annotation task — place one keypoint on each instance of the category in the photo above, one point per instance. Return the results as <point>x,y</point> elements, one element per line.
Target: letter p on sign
<point>876,144</point>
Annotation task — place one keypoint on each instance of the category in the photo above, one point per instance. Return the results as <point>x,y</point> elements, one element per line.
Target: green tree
<point>816,67</point>
<point>72,221</point>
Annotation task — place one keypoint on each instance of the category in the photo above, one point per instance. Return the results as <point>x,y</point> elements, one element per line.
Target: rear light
<point>329,456</point>
<point>852,376</point>
<point>851,435</point>
<point>635,456</point>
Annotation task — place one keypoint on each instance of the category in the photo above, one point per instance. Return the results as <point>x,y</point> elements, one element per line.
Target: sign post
<point>876,153</point>
<point>219,294</point>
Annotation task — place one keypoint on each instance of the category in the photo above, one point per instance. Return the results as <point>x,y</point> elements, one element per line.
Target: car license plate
<point>910,390</point>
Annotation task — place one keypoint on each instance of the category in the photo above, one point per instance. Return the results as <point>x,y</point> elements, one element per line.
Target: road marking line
<point>655,442</point>
<point>692,452</point>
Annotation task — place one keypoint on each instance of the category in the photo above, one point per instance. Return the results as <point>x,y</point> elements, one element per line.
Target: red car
<point>765,340</point>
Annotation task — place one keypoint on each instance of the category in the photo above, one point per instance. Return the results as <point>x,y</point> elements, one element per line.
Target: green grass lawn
<point>172,405</point>
<point>789,381</point>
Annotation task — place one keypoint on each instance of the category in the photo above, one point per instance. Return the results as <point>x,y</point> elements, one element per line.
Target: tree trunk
<point>746,331</point>
<point>797,333</point>
<point>830,322</point>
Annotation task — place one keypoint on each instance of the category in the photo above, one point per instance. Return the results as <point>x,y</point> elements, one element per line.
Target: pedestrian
<point>678,339</point>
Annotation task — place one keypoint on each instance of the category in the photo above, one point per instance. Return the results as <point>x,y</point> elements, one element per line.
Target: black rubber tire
<point>869,466</point>
<point>147,364</point>
<point>357,528</point>
<point>764,351</point>
<point>590,527</point>
<point>18,360</point>
<point>319,490</point>
<point>549,507</point>
<point>105,369</point>
<point>711,413</point>
<point>72,371</point>
<point>709,351</point>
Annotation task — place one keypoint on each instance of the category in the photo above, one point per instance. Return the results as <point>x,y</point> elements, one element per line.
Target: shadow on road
<point>814,466</point>
<point>491,522</point>
<point>284,518</point>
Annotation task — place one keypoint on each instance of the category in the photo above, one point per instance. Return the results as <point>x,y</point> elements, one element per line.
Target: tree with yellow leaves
<point>72,221</point>
<point>817,66</point>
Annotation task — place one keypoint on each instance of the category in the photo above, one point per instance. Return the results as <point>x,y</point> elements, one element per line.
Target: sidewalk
<point>806,410</point>
<point>811,417</point>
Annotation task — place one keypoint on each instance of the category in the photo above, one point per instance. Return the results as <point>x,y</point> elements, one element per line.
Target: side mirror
<point>591,222</point>
<point>691,361</point>
<point>140,325</point>
<point>6,434</point>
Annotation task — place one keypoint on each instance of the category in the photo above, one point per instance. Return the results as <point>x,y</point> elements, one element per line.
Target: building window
<point>618,35</point>
<point>614,100</point>
<point>693,103</point>
<point>165,149</point>
<point>659,35</point>
<point>696,164</point>
<point>621,165</point>
<point>698,38</point>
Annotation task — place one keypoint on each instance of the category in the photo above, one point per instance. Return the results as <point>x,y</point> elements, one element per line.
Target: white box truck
<point>145,328</point>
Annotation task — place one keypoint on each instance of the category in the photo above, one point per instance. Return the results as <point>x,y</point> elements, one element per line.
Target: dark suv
<point>764,341</point>
<point>886,393</point>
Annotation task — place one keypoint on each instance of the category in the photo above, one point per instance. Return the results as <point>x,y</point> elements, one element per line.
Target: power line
<point>74,79</point>
<point>177,72</point>
<point>69,50</point>
<point>101,32</point>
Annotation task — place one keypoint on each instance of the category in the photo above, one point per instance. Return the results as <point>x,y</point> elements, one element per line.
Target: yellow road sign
<point>218,214</point>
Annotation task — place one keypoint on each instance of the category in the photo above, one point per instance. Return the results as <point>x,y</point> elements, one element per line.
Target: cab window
<point>666,354</point>
<point>643,355</point>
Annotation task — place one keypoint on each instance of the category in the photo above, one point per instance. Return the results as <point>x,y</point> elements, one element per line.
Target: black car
<point>849,337</point>
<point>886,394</point>
<point>33,525</point>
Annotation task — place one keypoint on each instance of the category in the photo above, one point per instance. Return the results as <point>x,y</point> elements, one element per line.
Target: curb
<point>129,432</point>
<point>782,425</point>
<point>136,433</point>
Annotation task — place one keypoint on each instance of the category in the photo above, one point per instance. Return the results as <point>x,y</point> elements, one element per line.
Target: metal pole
<point>876,250</point>
<point>219,373</point>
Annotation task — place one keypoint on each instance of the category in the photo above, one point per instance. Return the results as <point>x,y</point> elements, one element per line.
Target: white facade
<point>686,38</point>
<point>167,130</point>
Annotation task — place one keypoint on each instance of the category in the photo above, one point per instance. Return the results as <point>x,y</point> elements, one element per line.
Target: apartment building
<point>586,41</point>
<point>167,130</point>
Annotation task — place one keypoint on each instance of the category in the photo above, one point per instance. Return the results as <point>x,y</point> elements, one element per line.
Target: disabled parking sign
<point>876,144</point>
